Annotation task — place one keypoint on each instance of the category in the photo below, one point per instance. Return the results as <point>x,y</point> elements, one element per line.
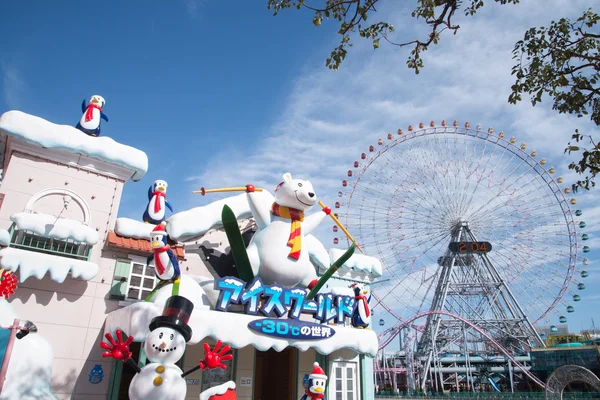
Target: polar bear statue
<point>277,253</point>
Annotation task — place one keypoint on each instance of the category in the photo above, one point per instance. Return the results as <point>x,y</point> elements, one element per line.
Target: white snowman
<point>276,252</point>
<point>164,346</point>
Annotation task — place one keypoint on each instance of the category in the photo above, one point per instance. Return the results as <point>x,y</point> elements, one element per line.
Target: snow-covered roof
<point>57,228</point>
<point>358,262</point>
<point>131,228</point>
<point>37,264</point>
<point>32,129</point>
<point>199,220</point>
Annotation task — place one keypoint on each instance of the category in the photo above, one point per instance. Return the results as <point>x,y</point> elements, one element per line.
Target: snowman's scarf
<point>295,239</point>
<point>160,267</point>
<point>89,113</point>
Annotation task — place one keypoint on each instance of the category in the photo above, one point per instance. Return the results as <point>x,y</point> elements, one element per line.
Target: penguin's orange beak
<point>364,292</point>
<point>318,389</point>
<point>161,188</point>
<point>155,244</point>
<point>95,100</point>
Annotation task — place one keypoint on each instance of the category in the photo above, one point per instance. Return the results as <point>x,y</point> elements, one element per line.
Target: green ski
<point>238,247</point>
<point>334,267</point>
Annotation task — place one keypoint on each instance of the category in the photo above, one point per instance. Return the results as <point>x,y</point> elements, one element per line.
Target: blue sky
<point>223,93</point>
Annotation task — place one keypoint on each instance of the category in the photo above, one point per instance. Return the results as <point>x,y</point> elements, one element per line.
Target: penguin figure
<point>361,316</point>
<point>317,381</point>
<point>157,200</point>
<point>166,265</point>
<point>92,114</point>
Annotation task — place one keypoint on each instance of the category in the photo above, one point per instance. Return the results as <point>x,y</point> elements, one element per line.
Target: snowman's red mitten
<point>250,188</point>
<point>118,350</point>
<point>327,210</point>
<point>213,358</point>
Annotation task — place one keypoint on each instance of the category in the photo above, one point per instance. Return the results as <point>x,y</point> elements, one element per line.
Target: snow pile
<point>57,228</point>
<point>199,220</point>
<point>30,367</point>
<point>358,262</point>
<point>37,264</point>
<point>217,390</point>
<point>4,237</point>
<point>131,228</point>
<point>231,328</point>
<point>38,131</point>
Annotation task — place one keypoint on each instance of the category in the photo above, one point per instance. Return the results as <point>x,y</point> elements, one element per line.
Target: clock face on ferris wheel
<point>405,196</point>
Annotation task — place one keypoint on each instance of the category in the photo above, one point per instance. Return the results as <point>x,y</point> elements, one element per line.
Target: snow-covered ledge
<point>133,229</point>
<point>57,228</point>
<point>37,264</point>
<point>232,328</point>
<point>38,131</point>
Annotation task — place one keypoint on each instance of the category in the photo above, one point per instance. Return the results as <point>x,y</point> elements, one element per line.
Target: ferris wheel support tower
<point>470,285</point>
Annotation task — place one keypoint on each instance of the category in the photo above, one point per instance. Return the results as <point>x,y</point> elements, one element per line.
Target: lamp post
<point>19,332</point>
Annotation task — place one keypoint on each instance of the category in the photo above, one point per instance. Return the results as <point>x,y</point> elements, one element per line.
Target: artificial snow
<point>4,237</point>
<point>217,390</point>
<point>358,262</point>
<point>197,221</point>
<point>32,129</point>
<point>30,367</point>
<point>50,226</point>
<point>131,228</point>
<point>37,264</point>
<point>232,328</point>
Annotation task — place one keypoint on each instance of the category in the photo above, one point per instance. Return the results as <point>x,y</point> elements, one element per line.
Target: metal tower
<point>469,285</point>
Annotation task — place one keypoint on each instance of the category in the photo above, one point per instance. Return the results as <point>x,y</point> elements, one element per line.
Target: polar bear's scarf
<point>295,239</point>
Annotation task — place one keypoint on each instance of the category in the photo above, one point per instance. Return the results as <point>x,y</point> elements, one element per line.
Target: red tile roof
<point>141,245</point>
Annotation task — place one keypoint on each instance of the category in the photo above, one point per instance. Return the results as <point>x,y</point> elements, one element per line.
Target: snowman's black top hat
<point>175,316</point>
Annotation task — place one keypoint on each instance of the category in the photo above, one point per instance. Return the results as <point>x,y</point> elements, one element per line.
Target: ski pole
<point>338,223</point>
<point>203,191</point>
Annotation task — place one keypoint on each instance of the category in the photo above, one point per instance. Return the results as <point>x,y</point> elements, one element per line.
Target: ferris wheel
<point>405,198</point>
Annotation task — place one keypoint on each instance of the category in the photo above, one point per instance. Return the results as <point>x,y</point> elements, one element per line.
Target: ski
<point>236,242</point>
<point>329,273</point>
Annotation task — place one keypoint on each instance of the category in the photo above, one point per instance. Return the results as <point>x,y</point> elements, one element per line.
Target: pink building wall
<point>70,315</point>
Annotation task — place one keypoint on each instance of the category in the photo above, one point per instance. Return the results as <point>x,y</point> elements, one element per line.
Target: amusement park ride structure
<point>477,237</point>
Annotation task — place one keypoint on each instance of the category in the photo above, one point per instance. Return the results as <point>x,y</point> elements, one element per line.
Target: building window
<point>132,280</point>
<point>344,381</point>
<point>61,247</point>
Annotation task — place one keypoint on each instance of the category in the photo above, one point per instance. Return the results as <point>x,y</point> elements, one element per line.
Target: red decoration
<point>8,283</point>
<point>327,210</point>
<point>213,358</point>
<point>118,350</point>
<point>250,188</point>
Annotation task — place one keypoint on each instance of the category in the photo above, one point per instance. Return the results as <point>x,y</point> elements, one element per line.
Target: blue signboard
<point>4,335</point>
<point>291,329</point>
<point>96,374</point>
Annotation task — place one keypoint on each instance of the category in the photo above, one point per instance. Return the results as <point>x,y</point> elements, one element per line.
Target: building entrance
<point>275,375</point>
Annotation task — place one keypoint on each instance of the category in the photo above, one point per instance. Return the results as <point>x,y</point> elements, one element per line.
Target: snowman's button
<point>158,381</point>
<point>160,369</point>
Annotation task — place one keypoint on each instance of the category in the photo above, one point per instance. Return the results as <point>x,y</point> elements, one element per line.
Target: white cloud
<point>330,118</point>
<point>13,84</point>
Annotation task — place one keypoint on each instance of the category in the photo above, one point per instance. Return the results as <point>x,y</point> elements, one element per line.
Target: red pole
<point>11,341</point>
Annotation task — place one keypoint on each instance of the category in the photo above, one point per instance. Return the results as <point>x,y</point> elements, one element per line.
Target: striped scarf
<point>295,239</point>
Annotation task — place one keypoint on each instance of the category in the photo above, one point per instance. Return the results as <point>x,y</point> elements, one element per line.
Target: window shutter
<point>120,277</point>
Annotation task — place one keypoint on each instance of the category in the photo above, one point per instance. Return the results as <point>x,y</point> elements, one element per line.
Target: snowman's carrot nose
<point>338,223</point>
<point>203,191</point>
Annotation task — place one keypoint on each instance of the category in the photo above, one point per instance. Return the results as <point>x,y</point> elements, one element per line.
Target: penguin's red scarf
<point>365,302</point>
<point>89,112</point>
<point>160,267</point>
<point>312,396</point>
<point>157,206</point>
<point>295,239</point>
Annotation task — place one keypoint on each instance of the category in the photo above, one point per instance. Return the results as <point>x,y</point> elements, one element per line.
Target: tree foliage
<point>352,15</point>
<point>563,62</point>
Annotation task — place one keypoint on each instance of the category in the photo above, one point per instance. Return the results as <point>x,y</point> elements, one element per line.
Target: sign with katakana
<point>291,329</point>
<point>278,301</point>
